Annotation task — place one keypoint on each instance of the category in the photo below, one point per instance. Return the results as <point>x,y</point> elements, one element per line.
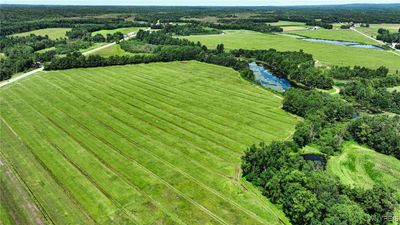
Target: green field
<point>111,50</point>
<point>152,143</point>
<point>340,35</point>
<point>53,33</point>
<point>397,88</point>
<point>372,30</point>
<point>326,54</point>
<point>288,24</point>
<point>359,166</point>
<point>125,30</point>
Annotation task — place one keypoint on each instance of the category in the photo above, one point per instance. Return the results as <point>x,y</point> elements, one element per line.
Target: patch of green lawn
<point>326,54</point>
<point>53,33</point>
<point>155,143</point>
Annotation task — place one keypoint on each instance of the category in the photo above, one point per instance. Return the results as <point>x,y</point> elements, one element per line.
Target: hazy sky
<point>194,2</point>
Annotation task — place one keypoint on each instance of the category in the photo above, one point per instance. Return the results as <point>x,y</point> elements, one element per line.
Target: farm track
<point>135,145</point>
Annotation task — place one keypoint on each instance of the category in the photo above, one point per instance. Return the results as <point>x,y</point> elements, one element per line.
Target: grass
<point>53,33</point>
<point>372,30</point>
<point>360,166</point>
<point>111,50</point>
<point>392,89</point>
<point>46,49</point>
<point>125,30</point>
<point>339,35</point>
<point>288,24</point>
<point>326,54</point>
<point>147,144</point>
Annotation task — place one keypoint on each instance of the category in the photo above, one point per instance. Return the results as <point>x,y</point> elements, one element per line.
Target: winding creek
<point>267,79</point>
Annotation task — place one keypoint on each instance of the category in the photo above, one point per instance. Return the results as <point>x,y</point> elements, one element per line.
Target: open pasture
<point>372,30</point>
<point>53,33</point>
<point>326,54</point>
<point>111,50</point>
<point>360,166</point>
<point>152,143</point>
<point>125,30</point>
<point>338,35</point>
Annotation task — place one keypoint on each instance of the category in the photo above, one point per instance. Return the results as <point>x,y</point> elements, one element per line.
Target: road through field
<point>396,52</point>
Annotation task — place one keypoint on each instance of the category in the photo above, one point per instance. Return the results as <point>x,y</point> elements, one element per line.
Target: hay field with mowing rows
<point>137,144</point>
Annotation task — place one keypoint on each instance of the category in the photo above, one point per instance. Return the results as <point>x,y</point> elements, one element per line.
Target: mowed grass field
<point>110,51</point>
<point>290,25</point>
<point>53,33</point>
<point>125,30</point>
<point>372,30</point>
<point>339,35</point>
<point>326,54</point>
<point>143,144</point>
<point>360,166</point>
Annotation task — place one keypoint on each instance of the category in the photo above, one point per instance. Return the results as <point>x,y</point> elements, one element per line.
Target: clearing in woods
<point>120,144</point>
<point>359,166</point>
<point>53,33</point>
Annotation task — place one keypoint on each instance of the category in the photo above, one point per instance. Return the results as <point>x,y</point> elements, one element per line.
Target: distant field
<point>112,50</point>
<point>53,33</point>
<point>289,24</point>
<point>340,35</point>
<point>145,144</point>
<point>125,30</point>
<point>362,167</point>
<point>372,30</point>
<point>326,54</point>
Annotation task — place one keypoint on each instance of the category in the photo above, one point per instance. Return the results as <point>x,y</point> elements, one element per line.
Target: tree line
<point>385,36</point>
<point>189,29</point>
<point>309,194</point>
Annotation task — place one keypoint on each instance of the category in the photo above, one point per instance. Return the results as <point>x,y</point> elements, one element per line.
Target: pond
<point>317,158</point>
<point>344,43</point>
<point>267,79</point>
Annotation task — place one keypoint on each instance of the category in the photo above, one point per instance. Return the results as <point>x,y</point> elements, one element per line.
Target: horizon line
<point>178,5</point>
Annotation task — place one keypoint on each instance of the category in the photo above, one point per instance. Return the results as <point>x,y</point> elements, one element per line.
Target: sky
<point>195,2</point>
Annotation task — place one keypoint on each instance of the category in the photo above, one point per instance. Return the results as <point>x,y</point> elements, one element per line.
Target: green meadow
<point>53,33</point>
<point>339,35</point>
<point>360,166</point>
<point>326,54</point>
<point>372,30</point>
<point>288,23</point>
<point>111,50</point>
<point>152,143</point>
<point>124,30</point>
